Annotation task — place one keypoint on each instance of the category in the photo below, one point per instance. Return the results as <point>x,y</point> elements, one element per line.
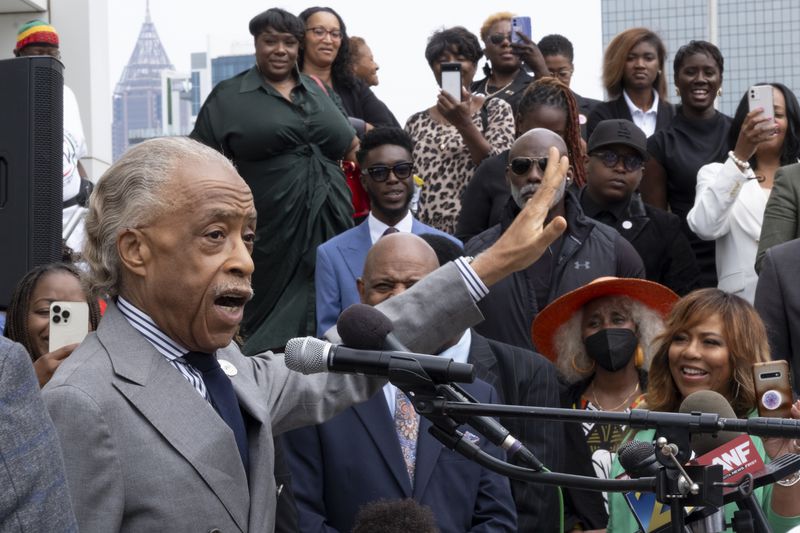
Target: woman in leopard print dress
<point>452,138</point>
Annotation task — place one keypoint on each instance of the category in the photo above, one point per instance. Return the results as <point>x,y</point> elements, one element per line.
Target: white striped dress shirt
<point>167,347</point>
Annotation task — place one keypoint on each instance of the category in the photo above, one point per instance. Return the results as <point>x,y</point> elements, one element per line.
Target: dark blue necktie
<point>220,390</point>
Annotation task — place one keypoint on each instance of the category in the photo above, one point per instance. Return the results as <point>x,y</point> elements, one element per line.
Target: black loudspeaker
<point>31,166</point>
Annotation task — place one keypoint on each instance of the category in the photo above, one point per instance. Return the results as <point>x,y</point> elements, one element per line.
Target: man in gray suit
<point>143,407</point>
<point>34,494</point>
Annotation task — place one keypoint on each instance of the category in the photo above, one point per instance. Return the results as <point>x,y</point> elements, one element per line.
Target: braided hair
<point>550,92</point>
<point>16,327</point>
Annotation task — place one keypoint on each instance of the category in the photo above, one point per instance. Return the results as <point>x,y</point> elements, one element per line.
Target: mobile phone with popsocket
<point>773,388</point>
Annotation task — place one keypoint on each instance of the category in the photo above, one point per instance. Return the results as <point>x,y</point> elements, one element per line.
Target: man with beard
<point>387,173</point>
<point>587,250</point>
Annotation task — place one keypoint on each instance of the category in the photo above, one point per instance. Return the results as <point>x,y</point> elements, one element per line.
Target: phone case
<point>773,388</point>
<point>521,25</point>
<point>69,323</point>
<point>451,79</point>
<point>761,96</point>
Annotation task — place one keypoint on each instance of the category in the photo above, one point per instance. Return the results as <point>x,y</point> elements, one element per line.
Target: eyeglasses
<point>498,38</point>
<point>610,159</point>
<point>563,74</point>
<point>380,173</point>
<point>320,33</point>
<point>521,165</point>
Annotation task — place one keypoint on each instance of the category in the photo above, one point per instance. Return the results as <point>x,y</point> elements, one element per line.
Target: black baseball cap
<point>618,131</point>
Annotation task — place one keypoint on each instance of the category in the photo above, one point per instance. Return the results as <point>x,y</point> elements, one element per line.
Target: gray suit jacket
<point>33,488</point>
<point>778,303</point>
<point>145,452</point>
<point>781,218</point>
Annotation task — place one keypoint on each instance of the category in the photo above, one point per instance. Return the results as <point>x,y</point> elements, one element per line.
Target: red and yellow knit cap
<point>36,32</point>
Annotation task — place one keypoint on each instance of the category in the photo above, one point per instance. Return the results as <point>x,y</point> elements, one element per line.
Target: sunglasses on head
<point>498,38</point>
<point>380,173</point>
<point>610,159</point>
<point>521,165</point>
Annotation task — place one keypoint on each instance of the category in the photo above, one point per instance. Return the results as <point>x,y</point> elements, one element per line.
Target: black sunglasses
<point>380,173</point>
<point>498,38</point>
<point>521,165</point>
<point>610,159</point>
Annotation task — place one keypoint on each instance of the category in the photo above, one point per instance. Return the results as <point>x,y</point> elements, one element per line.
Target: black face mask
<point>611,348</point>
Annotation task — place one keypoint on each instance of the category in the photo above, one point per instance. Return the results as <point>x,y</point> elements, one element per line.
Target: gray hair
<point>130,195</point>
<point>572,360</point>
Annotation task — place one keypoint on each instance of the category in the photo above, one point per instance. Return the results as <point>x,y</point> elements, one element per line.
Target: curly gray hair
<point>572,360</point>
<point>130,195</point>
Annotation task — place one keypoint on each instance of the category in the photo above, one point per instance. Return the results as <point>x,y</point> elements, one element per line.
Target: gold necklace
<point>624,402</point>
<point>501,89</point>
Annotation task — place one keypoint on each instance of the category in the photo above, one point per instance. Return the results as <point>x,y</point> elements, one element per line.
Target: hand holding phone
<point>69,323</point>
<point>762,96</point>
<point>520,25</point>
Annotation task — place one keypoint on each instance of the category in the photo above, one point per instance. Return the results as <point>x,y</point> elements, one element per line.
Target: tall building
<point>225,67</point>
<point>759,40</point>
<point>137,96</point>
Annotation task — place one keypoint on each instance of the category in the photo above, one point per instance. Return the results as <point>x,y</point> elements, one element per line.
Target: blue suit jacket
<point>355,458</point>
<point>340,261</point>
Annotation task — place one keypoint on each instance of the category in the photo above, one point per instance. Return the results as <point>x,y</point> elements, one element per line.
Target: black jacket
<point>522,377</point>
<point>588,251</point>
<point>360,102</point>
<point>619,109</point>
<point>656,234</point>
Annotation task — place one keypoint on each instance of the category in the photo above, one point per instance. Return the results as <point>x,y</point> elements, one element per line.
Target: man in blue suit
<point>387,176</point>
<point>360,455</point>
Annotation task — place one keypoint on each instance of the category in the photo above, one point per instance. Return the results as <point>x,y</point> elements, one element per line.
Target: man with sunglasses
<point>617,152</point>
<point>387,174</point>
<point>585,251</point>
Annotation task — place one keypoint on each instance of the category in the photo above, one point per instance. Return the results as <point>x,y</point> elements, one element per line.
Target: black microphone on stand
<point>365,327</point>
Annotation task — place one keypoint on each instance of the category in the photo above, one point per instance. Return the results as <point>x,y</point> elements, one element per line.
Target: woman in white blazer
<point>731,196</point>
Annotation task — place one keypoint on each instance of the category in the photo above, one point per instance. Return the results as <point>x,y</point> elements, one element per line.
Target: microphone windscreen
<point>708,401</point>
<point>638,458</point>
<point>363,327</point>
<point>307,355</point>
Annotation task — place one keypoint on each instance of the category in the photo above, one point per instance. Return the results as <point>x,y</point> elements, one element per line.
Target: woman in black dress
<point>633,77</point>
<point>698,135</point>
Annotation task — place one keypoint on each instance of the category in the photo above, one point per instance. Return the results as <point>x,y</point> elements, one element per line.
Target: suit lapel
<point>374,414</point>
<point>172,406</point>
<point>354,250</point>
<point>480,355</point>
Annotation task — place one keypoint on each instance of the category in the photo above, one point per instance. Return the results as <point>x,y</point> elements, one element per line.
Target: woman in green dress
<point>286,136</point>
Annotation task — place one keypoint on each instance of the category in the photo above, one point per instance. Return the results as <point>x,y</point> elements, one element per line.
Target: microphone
<point>364,327</point>
<point>310,355</point>
<point>638,459</point>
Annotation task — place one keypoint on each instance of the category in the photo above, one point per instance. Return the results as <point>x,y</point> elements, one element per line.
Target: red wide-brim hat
<point>543,330</point>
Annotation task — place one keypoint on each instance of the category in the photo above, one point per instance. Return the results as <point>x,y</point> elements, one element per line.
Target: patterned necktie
<point>390,230</point>
<point>406,422</point>
<point>223,398</point>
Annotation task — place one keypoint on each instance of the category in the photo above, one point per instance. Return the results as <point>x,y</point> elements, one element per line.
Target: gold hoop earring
<point>582,370</point>
<point>638,358</point>
<point>677,92</point>
<point>719,91</point>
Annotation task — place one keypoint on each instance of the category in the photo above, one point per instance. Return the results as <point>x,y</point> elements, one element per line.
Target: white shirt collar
<point>634,109</point>
<point>376,227</point>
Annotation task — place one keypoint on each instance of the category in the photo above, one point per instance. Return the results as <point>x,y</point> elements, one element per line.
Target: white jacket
<point>729,208</point>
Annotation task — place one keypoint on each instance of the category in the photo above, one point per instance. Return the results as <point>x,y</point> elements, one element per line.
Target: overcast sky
<point>396,31</point>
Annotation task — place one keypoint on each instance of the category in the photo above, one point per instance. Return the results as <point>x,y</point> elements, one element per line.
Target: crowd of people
<point>594,256</point>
